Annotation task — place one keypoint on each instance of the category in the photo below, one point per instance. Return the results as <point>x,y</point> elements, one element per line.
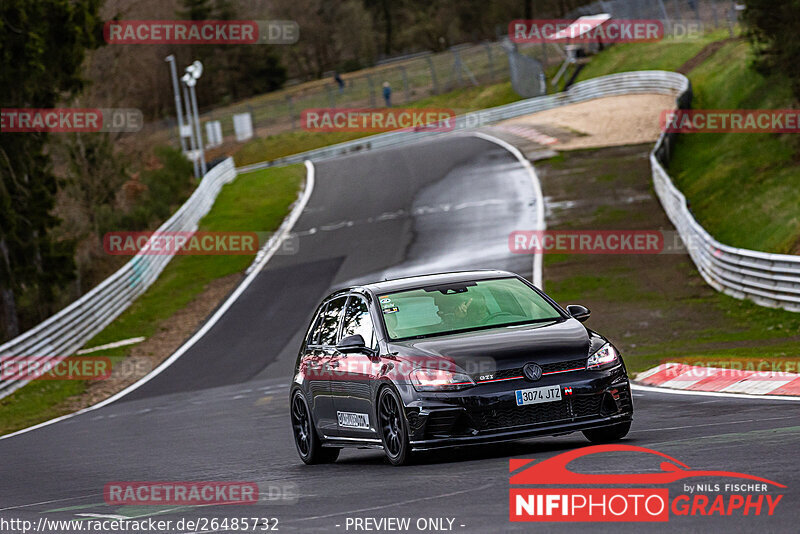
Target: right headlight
<point>439,380</point>
<point>605,356</point>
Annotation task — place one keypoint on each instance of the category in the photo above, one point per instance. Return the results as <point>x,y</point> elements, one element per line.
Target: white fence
<point>65,332</point>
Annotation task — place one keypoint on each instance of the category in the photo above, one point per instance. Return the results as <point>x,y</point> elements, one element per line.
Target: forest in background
<point>59,193</point>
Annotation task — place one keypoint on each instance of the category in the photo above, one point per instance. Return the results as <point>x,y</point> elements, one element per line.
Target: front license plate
<point>538,395</point>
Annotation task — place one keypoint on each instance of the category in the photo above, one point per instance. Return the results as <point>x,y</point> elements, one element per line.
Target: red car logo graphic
<point>554,470</point>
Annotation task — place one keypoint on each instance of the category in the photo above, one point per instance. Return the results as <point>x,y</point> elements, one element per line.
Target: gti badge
<point>532,371</point>
<point>567,391</point>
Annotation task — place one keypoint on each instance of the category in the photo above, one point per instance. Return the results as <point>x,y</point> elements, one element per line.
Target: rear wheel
<point>394,432</point>
<point>306,440</point>
<point>608,434</point>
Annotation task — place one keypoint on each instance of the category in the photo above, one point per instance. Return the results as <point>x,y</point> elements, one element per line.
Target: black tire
<point>393,427</point>
<point>607,434</point>
<point>306,440</point>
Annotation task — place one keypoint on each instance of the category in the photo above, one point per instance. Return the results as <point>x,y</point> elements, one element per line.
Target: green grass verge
<point>256,201</point>
<point>743,188</point>
<point>288,143</point>
<point>737,330</point>
<point>665,55</point>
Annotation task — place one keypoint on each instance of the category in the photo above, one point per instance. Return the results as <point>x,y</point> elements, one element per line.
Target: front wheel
<point>306,440</point>
<point>608,434</point>
<point>394,433</point>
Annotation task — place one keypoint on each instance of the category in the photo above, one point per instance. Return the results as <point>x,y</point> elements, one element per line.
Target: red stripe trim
<point>519,377</point>
<point>565,371</point>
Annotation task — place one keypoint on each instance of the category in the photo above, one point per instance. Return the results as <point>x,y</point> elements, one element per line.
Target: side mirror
<point>579,312</point>
<point>354,343</point>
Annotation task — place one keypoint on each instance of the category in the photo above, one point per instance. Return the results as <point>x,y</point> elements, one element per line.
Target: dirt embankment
<point>610,121</point>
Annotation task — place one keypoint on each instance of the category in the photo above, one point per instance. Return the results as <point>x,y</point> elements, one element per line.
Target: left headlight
<point>606,356</point>
<point>439,380</point>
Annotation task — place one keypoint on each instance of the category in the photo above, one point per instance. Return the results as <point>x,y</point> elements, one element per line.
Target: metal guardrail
<point>768,279</point>
<point>66,331</point>
<point>771,280</point>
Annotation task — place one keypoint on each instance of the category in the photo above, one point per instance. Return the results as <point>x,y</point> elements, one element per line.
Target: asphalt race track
<point>220,411</point>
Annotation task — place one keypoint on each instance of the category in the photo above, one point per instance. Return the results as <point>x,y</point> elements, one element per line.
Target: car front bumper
<point>489,413</point>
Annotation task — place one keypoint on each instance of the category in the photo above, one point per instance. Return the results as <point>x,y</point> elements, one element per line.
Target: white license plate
<point>538,395</point>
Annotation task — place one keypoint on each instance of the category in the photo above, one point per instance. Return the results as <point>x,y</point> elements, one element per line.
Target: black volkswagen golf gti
<point>452,359</point>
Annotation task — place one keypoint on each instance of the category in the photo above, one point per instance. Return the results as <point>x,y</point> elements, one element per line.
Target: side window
<point>358,321</point>
<point>313,333</point>
<point>329,321</point>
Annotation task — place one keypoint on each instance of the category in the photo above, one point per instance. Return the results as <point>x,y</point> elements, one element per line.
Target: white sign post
<point>213,134</point>
<point>243,126</point>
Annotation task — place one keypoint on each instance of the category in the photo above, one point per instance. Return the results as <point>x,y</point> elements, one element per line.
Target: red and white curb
<point>749,381</point>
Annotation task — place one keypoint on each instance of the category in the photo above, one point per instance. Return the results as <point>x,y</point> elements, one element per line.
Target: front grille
<point>568,365</point>
<point>555,367</point>
<point>440,423</point>
<point>625,404</point>
<point>586,405</point>
<point>510,415</point>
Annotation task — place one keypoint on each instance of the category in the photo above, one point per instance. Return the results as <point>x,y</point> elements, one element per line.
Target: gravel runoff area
<point>602,122</point>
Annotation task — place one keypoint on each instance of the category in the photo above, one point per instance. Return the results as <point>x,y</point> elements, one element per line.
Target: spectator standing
<point>339,81</point>
<point>387,94</point>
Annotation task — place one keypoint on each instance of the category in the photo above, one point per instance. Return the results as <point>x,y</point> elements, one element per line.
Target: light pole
<point>194,71</point>
<point>195,163</point>
<point>173,71</point>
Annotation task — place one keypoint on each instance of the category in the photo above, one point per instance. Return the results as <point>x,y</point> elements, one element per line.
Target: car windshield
<point>464,306</point>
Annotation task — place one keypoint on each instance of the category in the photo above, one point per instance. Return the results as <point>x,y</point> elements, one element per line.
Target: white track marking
<point>255,269</point>
<point>51,501</point>
<point>651,389</point>
<point>716,424</point>
<point>113,345</point>
<point>537,187</point>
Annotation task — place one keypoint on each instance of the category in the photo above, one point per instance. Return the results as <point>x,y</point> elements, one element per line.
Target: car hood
<point>504,347</point>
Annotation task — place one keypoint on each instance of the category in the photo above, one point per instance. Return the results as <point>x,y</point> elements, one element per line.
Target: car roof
<point>415,282</point>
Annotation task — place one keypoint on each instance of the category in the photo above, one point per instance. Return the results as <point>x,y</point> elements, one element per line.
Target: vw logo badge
<point>532,371</point>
